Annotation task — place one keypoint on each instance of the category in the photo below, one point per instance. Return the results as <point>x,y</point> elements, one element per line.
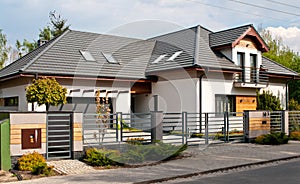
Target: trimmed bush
<point>295,136</point>
<point>100,157</point>
<point>135,154</point>
<point>35,163</point>
<point>272,139</point>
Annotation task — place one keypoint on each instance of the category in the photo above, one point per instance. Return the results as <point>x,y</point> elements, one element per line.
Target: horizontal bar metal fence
<point>97,131</point>
<point>294,121</point>
<point>173,128</point>
<point>195,128</point>
<point>235,126</point>
<point>276,121</point>
<point>136,127</point>
<point>215,127</point>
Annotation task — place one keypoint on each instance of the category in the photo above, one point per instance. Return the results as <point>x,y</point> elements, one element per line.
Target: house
<point>194,70</point>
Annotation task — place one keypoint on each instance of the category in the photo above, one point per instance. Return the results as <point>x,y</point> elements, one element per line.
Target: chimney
<point>41,42</point>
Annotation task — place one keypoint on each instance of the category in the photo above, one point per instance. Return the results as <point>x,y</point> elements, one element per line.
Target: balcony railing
<point>252,75</point>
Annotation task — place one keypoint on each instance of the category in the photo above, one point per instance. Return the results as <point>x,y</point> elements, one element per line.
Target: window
<point>109,58</point>
<point>87,55</point>
<point>9,101</point>
<point>157,60</point>
<point>241,63</point>
<point>175,55</point>
<point>225,103</point>
<point>253,65</point>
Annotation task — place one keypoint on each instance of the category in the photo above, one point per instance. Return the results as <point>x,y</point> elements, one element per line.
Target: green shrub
<point>295,136</point>
<point>135,154</point>
<point>272,139</point>
<point>42,169</point>
<point>135,140</point>
<point>35,163</point>
<point>100,157</point>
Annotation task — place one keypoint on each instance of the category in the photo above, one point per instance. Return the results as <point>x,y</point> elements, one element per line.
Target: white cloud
<point>290,36</point>
<point>26,17</point>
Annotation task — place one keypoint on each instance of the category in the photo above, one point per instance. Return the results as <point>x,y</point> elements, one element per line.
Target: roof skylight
<point>87,55</point>
<point>157,60</point>
<point>175,55</point>
<point>110,58</point>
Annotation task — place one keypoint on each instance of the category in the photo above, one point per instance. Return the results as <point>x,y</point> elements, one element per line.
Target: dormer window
<point>87,55</point>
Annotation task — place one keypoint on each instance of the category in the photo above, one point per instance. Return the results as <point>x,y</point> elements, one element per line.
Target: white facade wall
<point>176,92</point>
<point>212,87</point>
<point>16,91</point>
<point>121,101</point>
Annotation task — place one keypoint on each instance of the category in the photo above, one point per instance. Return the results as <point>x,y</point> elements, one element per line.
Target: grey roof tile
<point>276,68</point>
<point>135,57</point>
<point>64,58</point>
<point>228,36</point>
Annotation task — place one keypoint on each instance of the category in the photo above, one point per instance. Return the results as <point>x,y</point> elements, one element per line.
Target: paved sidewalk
<point>213,157</point>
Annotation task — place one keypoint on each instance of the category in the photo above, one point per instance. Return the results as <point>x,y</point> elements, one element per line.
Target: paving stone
<point>70,166</point>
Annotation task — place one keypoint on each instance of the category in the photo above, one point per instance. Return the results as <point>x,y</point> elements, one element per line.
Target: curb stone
<point>217,170</point>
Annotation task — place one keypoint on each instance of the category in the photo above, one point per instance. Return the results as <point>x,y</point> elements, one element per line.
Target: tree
<point>58,24</point>
<point>284,55</point>
<point>46,91</point>
<point>4,49</point>
<point>103,112</point>
<point>57,27</point>
<point>268,101</point>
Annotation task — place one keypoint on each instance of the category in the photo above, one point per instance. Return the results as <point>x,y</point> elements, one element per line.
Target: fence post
<point>206,128</point>
<point>285,122</point>
<point>200,123</point>
<point>119,127</point>
<point>156,126</point>
<point>227,126</point>
<point>184,128</point>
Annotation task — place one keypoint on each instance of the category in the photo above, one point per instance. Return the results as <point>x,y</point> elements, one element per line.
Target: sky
<point>22,19</point>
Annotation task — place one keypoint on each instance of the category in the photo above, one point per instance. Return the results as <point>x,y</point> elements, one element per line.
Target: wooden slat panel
<point>23,126</point>
<point>77,125</point>
<point>16,130</point>
<point>245,103</point>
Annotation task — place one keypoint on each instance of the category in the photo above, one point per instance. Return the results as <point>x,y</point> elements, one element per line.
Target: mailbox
<point>31,138</point>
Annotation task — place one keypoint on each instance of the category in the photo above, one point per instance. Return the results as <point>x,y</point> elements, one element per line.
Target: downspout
<point>200,101</point>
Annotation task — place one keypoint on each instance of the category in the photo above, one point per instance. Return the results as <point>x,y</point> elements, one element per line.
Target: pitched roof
<point>135,58</point>
<point>231,37</point>
<point>276,68</point>
<point>62,56</point>
<point>194,42</point>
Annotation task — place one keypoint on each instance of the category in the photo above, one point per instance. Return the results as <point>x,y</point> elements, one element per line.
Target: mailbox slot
<point>31,138</point>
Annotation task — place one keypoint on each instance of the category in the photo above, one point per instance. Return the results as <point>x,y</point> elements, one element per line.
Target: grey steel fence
<point>276,121</point>
<point>97,132</point>
<point>177,128</point>
<point>294,121</point>
<point>174,128</point>
<point>136,127</point>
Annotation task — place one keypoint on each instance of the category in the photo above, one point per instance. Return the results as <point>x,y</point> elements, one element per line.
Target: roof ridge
<point>53,41</point>
<point>280,65</point>
<point>172,32</point>
<point>247,25</point>
<point>108,35</point>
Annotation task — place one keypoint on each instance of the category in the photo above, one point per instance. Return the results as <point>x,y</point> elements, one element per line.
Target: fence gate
<point>59,135</point>
<point>276,121</point>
